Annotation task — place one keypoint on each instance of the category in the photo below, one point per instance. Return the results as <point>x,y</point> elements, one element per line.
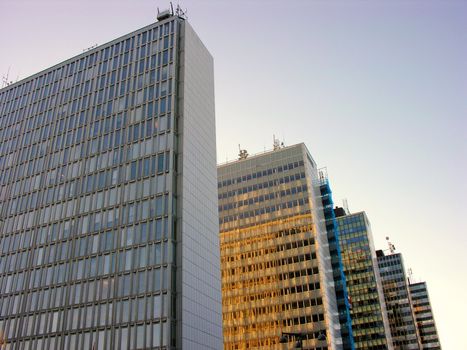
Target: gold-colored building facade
<point>274,254</point>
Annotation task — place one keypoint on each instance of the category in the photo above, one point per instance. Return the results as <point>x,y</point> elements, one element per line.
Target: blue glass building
<point>340,284</point>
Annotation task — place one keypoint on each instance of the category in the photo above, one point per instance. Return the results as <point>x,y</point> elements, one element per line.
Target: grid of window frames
<point>269,265</point>
<point>397,298</point>
<point>357,257</point>
<point>424,317</point>
<point>86,192</point>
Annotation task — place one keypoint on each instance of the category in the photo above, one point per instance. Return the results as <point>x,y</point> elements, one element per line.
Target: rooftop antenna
<point>345,205</point>
<point>5,79</point>
<point>275,143</point>
<point>242,153</point>
<point>179,12</point>
<point>391,246</point>
<point>323,175</point>
<point>410,273</point>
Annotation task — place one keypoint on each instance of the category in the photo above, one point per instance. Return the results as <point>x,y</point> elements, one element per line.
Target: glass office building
<point>424,316</point>
<point>109,226</point>
<point>398,302</point>
<point>276,266</point>
<point>340,284</point>
<point>370,325</point>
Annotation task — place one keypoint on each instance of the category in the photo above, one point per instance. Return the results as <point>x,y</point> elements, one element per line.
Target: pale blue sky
<point>376,89</point>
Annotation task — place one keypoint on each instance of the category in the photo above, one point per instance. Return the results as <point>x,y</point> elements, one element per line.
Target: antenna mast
<point>242,153</point>
<point>391,246</point>
<point>180,13</point>
<point>276,144</point>
<point>410,273</point>
<point>345,205</point>
<point>5,79</point>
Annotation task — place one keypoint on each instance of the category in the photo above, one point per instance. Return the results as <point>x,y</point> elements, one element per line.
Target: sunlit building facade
<point>424,316</point>
<point>370,324</point>
<point>276,270</point>
<point>109,226</point>
<point>398,302</point>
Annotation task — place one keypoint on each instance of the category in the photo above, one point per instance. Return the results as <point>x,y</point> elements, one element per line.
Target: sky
<point>375,89</point>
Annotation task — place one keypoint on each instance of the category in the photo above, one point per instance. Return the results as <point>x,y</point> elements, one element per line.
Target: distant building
<point>370,325</point>
<point>108,196</point>
<point>276,266</point>
<point>424,316</point>
<point>398,304</point>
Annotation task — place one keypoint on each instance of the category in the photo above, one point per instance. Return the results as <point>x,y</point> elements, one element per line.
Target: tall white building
<point>109,230</point>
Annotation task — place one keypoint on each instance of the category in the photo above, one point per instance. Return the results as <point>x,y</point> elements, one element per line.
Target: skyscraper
<point>108,198</point>
<point>277,276</point>
<point>398,302</point>
<point>340,284</point>
<point>370,325</point>
<point>424,316</point>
